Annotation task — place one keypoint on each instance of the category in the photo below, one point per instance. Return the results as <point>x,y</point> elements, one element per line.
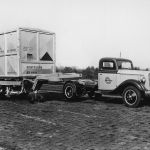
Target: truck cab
<point>117,78</point>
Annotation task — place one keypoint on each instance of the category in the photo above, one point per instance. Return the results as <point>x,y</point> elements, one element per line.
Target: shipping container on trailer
<point>27,52</point>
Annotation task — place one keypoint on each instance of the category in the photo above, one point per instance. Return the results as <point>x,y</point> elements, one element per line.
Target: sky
<point>86,30</point>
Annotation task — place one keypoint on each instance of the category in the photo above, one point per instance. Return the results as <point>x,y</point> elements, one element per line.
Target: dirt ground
<point>81,125</point>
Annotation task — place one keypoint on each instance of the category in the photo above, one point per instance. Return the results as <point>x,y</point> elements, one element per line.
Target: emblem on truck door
<point>108,80</point>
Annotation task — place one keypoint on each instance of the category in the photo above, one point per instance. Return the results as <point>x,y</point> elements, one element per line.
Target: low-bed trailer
<point>27,66</point>
<point>69,84</point>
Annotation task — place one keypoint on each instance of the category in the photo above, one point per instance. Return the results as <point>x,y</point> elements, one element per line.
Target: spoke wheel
<point>131,97</point>
<point>69,91</point>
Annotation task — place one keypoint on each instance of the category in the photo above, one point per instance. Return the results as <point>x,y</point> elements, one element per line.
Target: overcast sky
<point>86,30</point>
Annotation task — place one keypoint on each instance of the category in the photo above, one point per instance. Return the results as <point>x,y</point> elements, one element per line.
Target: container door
<point>2,55</point>
<point>28,46</point>
<point>2,65</point>
<point>2,45</point>
<point>11,42</point>
<point>11,51</point>
<point>12,65</point>
<point>46,47</point>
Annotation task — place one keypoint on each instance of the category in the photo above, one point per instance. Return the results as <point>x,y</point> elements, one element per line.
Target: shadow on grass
<point>22,99</point>
<point>146,102</point>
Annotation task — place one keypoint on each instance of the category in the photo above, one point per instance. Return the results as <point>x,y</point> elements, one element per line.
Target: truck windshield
<point>124,64</point>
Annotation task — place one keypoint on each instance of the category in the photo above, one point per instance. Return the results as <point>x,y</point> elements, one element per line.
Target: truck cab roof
<point>111,63</point>
<point>114,58</point>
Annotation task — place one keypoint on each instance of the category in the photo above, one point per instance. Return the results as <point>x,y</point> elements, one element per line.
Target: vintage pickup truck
<point>116,79</point>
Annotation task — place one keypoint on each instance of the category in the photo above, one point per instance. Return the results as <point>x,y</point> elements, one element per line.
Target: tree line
<point>87,73</point>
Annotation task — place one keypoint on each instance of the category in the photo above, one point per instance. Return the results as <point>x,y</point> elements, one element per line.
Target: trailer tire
<point>70,91</point>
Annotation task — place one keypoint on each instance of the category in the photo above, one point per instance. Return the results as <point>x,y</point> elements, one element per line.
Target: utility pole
<point>120,54</point>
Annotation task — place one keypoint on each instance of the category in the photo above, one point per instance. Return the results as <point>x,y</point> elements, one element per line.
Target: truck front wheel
<point>70,91</point>
<point>131,96</point>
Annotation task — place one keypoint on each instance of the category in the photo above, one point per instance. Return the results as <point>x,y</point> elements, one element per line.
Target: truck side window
<point>108,65</point>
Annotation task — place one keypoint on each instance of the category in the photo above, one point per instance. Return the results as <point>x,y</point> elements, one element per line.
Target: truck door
<point>107,77</point>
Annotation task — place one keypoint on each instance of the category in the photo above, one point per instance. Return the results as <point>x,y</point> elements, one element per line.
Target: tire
<point>70,91</point>
<point>131,97</point>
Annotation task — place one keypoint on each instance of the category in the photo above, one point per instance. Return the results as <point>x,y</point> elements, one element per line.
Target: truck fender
<point>130,82</point>
<point>72,82</point>
<point>75,83</point>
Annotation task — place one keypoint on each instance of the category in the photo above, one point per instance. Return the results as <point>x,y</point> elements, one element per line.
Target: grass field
<point>82,125</point>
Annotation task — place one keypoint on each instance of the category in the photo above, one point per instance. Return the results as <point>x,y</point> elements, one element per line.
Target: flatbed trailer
<point>69,84</point>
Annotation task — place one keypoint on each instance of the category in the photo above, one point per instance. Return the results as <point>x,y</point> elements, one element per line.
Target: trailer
<point>25,53</point>
<point>71,85</point>
<point>28,66</point>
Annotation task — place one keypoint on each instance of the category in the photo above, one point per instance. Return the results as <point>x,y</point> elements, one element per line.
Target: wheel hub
<point>130,97</point>
<point>69,91</point>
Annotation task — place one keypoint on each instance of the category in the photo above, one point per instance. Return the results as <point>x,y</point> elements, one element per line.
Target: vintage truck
<point>28,67</point>
<point>116,79</point>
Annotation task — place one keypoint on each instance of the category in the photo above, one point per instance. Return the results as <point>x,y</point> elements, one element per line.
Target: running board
<point>112,96</point>
<point>42,91</point>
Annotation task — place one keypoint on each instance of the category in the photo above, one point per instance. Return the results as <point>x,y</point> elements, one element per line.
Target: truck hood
<point>133,72</point>
<point>135,75</point>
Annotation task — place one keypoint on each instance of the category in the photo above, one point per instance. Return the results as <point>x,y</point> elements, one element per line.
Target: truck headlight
<point>143,79</point>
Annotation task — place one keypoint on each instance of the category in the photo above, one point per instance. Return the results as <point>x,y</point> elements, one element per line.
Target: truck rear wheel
<point>70,91</point>
<point>131,96</point>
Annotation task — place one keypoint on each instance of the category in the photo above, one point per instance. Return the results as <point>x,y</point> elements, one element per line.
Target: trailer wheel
<point>131,97</point>
<point>70,91</point>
